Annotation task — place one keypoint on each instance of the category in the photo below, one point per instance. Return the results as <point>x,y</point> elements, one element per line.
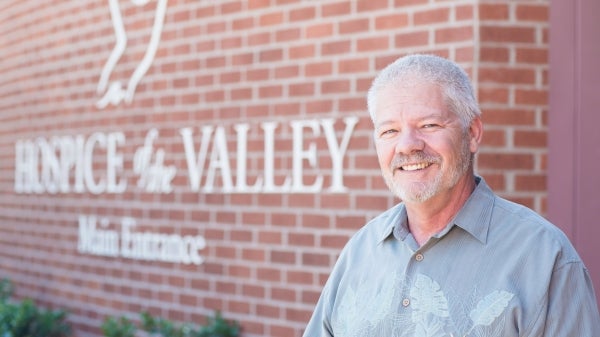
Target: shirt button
<point>419,257</point>
<point>405,302</point>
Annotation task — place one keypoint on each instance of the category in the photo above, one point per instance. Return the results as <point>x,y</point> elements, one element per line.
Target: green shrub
<point>216,326</point>
<point>121,327</point>
<point>25,319</point>
<point>162,327</point>
<point>219,327</point>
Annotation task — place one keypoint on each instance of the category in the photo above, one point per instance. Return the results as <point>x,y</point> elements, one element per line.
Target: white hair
<point>418,68</point>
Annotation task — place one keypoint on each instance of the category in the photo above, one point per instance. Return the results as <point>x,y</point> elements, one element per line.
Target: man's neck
<point>430,217</point>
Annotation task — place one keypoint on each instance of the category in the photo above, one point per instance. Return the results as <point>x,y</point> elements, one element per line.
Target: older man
<point>453,258</point>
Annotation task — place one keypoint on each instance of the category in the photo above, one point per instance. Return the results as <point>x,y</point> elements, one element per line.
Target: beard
<point>445,179</point>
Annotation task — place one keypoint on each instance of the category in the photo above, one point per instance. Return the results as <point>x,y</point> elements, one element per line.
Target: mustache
<point>413,158</point>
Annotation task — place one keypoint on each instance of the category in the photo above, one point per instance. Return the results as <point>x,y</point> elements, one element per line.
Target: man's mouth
<point>414,167</point>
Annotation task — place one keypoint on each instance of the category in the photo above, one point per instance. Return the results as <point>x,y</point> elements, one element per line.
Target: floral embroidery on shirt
<point>371,312</point>
<point>369,303</point>
<point>430,309</point>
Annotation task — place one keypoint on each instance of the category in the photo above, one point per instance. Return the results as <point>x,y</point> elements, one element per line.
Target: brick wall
<point>513,88</point>
<point>221,64</point>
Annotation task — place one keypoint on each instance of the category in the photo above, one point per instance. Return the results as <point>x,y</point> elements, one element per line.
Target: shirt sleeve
<point>320,322</point>
<point>571,308</point>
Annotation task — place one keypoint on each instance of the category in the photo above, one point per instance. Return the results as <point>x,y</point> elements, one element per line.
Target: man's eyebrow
<point>433,115</point>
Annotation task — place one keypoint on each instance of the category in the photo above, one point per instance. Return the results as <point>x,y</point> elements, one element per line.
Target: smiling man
<point>452,258</point>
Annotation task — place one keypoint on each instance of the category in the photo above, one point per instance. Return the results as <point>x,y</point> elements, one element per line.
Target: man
<point>452,259</point>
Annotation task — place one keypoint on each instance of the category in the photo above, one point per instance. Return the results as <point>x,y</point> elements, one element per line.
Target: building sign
<point>65,164</point>
<point>96,238</point>
<point>95,164</point>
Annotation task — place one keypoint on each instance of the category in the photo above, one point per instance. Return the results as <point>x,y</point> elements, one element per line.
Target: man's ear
<point>475,134</point>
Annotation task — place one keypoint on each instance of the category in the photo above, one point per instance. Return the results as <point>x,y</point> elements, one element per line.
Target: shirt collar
<point>476,214</point>
<point>474,217</point>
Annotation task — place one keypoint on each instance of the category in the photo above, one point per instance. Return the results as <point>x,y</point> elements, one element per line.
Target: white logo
<point>114,92</point>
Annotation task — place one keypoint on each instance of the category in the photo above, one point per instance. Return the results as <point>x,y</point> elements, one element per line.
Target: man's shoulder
<point>530,228</point>
<point>381,225</point>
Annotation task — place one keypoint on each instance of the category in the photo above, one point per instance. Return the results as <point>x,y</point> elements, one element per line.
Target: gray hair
<point>452,79</point>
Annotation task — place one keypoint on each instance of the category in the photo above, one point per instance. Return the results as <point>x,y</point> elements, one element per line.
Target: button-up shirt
<point>497,269</point>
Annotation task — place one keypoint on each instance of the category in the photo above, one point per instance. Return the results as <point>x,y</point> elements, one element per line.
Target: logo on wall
<point>114,92</point>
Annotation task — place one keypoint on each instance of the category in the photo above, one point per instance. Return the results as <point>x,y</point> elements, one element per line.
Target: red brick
<point>268,274</point>
<point>318,69</point>
<point>336,86</point>
<point>319,30</point>
<point>531,138</point>
<point>532,55</point>
<point>507,34</point>
<point>301,239</point>
<point>532,12</point>
<point>508,117</point>
<point>464,12</point>
<point>307,13</point>
<point>285,257</point>
<point>353,65</point>
<point>336,9</point>
<point>283,294</point>
<point>505,161</point>
<point>253,254</point>
<point>304,51</point>
<point>494,54</point>
<point>281,331</point>
<point>403,3</point>
<point>494,11</point>
<point>494,137</point>
<point>431,16</point>
<point>338,47</point>
<point>315,259</point>
<point>265,310</point>
<point>506,75</point>
<point>456,34</point>
<point>254,4</point>
<point>334,241</point>
<point>493,95</point>
<point>271,19</point>
<point>411,39</point>
<point>299,277</point>
<point>303,89</point>
<point>391,21</point>
<point>372,44</point>
<point>363,6</point>
<point>533,97</point>
<point>243,23</point>
<point>290,34</point>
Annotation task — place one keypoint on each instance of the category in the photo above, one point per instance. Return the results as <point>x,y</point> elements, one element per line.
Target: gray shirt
<point>497,269</point>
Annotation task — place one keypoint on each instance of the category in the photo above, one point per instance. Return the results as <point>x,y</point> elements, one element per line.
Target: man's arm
<point>571,308</point>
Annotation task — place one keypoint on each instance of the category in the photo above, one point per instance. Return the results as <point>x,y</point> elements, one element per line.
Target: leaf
<point>489,308</point>
<point>428,298</point>
<point>430,326</point>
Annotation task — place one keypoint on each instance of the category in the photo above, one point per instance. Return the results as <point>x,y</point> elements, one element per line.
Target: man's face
<point>423,149</point>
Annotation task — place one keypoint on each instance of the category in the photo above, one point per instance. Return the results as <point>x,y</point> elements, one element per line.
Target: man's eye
<point>388,132</point>
<point>428,126</point>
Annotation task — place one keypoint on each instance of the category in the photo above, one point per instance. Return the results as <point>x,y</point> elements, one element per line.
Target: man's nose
<point>409,141</point>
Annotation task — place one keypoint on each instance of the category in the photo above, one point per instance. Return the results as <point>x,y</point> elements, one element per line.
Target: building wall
<point>572,166</point>
<point>75,174</point>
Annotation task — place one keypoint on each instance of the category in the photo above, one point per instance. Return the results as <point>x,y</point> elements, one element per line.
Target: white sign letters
<point>95,164</point>
<point>68,164</point>
<point>96,238</point>
<point>218,159</point>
